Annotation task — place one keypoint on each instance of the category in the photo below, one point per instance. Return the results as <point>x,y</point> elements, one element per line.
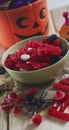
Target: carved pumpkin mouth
<point>37,34</point>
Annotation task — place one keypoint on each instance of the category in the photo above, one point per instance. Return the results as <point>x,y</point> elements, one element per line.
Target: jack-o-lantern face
<point>30,20</point>
<point>24,22</point>
<point>32,29</point>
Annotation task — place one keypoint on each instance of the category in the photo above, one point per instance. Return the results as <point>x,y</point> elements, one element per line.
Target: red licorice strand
<point>56,104</point>
<point>65,103</point>
<point>54,50</point>
<point>57,114</point>
<point>61,86</point>
<point>34,64</point>
<point>64,82</point>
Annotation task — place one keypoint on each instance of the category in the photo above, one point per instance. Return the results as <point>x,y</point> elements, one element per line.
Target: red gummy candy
<point>51,49</point>
<point>45,40</point>
<point>59,95</point>
<point>58,114</point>
<point>45,64</point>
<point>65,103</point>
<point>67,78</point>
<point>37,119</point>
<point>21,51</point>
<point>34,44</point>
<point>19,100</point>
<point>34,64</point>
<point>54,50</point>
<point>6,106</point>
<point>8,63</point>
<point>31,91</point>
<point>24,66</point>
<point>57,104</point>
<point>16,110</point>
<point>61,86</point>
<point>64,82</point>
<point>59,107</point>
<point>57,42</point>
<point>14,57</point>
<point>12,96</point>
<point>41,51</point>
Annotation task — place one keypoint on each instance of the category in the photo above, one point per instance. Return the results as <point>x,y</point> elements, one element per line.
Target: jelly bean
<point>25,57</point>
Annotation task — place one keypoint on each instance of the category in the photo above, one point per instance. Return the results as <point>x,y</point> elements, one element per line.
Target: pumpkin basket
<point>23,22</point>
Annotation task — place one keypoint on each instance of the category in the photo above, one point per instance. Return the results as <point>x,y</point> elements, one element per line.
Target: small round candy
<point>30,48</point>
<point>25,57</point>
<point>65,76</point>
<point>22,69</point>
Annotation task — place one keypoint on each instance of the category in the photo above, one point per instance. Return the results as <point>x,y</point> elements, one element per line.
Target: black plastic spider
<point>4,89</point>
<point>35,104</point>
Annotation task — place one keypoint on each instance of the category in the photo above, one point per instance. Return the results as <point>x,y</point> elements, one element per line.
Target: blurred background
<point>52,4</point>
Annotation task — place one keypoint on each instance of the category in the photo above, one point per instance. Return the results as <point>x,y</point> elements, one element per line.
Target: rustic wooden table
<point>10,122</point>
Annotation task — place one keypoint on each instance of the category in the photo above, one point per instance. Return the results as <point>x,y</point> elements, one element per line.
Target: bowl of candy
<point>36,60</point>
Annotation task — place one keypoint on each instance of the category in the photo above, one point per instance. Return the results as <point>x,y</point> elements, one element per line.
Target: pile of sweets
<point>14,103</point>
<point>36,55</point>
<point>58,110</point>
<point>29,104</point>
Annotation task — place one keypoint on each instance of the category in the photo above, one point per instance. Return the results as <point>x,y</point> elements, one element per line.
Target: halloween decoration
<point>64,30</point>
<point>23,22</point>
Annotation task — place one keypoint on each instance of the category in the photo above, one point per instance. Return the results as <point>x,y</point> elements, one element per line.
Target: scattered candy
<point>6,107</point>
<point>61,86</point>
<point>16,110</point>
<point>59,95</point>
<point>12,96</point>
<point>58,114</point>
<point>15,103</point>
<point>64,82</point>
<point>31,91</point>
<point>37,119</point>
<point>65,103</point>
<point>59,107</point>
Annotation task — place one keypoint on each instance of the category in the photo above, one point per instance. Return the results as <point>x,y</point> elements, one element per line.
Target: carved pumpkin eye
<point>21,22</point>
<point>68,33</point>
<point>42,13</point>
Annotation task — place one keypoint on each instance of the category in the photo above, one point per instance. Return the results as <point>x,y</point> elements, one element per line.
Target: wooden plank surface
<point>3,121</point>
<point>11,122</point>
<point>7,82</point>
